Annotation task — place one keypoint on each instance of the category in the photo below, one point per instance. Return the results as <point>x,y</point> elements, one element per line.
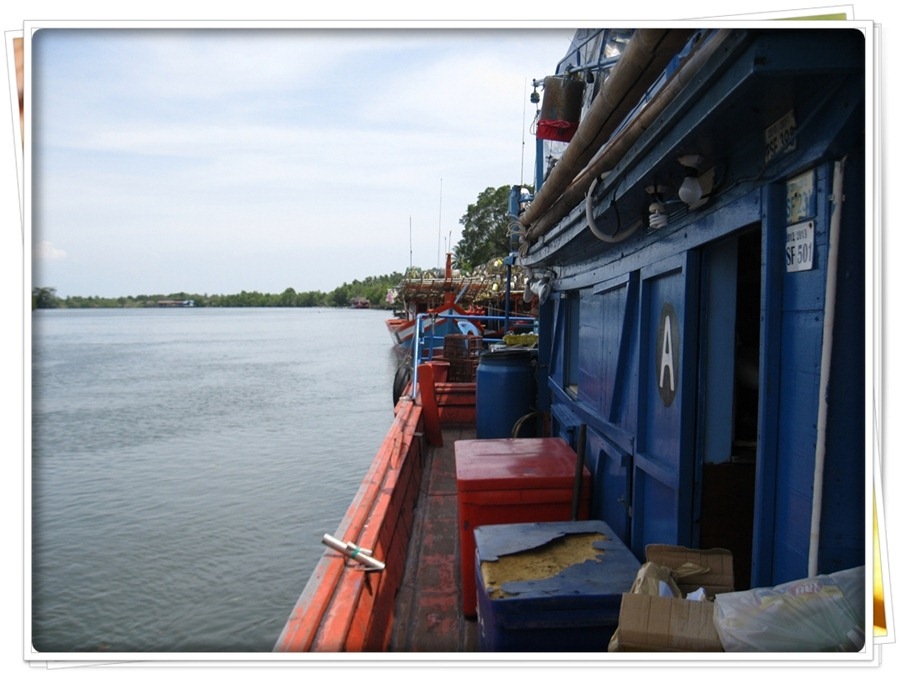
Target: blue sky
<point>215,161</point>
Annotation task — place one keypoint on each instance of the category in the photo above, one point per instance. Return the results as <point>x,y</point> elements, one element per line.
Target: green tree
<point>289,297</point>
<point>340,296</point>
<point>373,288</point>
<point>311,298</point>
<point>44,297</point>
<point>485,233</point>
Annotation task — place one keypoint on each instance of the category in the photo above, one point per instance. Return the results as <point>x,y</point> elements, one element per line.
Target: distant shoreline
<point>373,290</point>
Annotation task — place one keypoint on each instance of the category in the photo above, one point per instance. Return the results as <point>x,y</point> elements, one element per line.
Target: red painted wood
<point>326,617</point>
<point>345,609</point>
<point>431,373</point>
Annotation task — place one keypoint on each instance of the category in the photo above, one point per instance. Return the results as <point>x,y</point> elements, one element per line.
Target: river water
<point>185,465</point>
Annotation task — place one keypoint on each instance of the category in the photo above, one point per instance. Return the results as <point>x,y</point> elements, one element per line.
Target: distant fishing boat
<point>175,303</point>
<point>483,292</point>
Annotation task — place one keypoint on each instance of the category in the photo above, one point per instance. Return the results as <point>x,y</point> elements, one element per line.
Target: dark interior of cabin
<point>728,487</point>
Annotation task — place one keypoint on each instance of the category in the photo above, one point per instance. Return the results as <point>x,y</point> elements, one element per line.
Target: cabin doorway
<point>728,396</point>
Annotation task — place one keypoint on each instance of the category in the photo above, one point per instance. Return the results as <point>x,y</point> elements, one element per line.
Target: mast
<point>440,208</point>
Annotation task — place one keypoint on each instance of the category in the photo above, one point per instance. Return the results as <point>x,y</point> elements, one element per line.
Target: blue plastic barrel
<point>505,391</point>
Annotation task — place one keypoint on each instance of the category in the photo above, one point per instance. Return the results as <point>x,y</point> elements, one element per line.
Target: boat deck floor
<point>428,615</point>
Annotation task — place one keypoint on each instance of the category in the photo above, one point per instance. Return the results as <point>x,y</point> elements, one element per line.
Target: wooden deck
<point>428,615</point>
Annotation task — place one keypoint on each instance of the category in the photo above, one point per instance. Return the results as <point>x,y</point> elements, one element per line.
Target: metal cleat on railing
<point>354,552</point>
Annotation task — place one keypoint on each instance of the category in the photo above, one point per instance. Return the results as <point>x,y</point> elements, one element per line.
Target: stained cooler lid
<point>611,571</point>
<point>522,463</point>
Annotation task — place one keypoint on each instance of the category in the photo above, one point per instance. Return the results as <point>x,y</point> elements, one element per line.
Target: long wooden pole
<point>639,66</point>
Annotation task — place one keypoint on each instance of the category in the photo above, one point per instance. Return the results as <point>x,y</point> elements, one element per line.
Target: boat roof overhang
<point>754,79</point>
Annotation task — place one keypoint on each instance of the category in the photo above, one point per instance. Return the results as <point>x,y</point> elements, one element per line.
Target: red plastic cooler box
<point>511,481</point>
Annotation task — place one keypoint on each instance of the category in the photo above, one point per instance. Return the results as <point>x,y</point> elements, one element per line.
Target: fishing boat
<point>426,292</point>
<point>494,288</point>
<point>175,303</point>
<point>697,250</point>
<point>360,302</point>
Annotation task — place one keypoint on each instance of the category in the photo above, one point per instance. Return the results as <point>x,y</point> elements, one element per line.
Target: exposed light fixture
<point>658,216</point>
<point>690,191</point>
<point>538,286</point>
<point>542,289</point>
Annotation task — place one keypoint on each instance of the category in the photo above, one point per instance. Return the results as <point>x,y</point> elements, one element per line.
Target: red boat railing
<point>344,608</point>
<point>425,343</point>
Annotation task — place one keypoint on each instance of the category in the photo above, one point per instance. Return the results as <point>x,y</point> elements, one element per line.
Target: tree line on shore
<point>374,289</point>
<point>485,236</point>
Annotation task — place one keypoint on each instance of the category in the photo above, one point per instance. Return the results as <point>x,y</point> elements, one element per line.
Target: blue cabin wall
<point>644,349</point>
<point>793,372</point>
<point>842,539</point>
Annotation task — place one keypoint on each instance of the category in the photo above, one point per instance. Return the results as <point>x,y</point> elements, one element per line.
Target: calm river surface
<point>185,464</point>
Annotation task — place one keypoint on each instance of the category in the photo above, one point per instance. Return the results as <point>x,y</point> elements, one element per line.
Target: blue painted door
<point>612,489</point>
<point>608,326</point>
<point>664,444</point>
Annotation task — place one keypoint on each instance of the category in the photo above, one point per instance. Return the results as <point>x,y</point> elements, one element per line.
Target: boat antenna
<point>410,241</point>
<point>440,208</point>
<point>524,112</point>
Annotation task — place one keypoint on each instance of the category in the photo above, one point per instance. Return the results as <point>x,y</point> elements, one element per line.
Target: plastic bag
<point>655,580</point>
<point>818,614</point>
<point>652,579</point>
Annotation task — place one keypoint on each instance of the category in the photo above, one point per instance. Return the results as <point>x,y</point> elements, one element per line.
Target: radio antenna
<point>440,208</point>
<point>524,117</point>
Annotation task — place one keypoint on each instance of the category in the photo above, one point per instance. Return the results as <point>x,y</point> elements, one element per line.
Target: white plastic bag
<point>818,614</point>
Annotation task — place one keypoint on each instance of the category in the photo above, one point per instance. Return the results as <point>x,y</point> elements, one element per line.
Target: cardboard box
<point>714,567</point>
<point>652,623</point>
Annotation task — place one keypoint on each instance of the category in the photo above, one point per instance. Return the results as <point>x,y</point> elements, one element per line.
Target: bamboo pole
<point>647,54</point>
<point>619,146</point>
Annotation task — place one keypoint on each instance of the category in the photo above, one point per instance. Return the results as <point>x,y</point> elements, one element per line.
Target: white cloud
<point>45,250</point>
<point>276,147</point>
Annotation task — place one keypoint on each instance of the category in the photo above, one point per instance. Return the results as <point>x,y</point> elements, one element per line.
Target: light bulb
<point>690,191</point>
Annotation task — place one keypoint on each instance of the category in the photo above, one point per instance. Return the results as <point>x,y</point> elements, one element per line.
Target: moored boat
<point>360,302</point>
<point>483,292</point>
<point>698,255</point>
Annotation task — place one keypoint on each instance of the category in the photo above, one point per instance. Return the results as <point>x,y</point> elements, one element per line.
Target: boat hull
<point>403,331</point>
<point>343,608</point>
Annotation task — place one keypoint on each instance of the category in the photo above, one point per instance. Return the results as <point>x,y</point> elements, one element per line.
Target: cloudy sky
<point>215,161</point>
